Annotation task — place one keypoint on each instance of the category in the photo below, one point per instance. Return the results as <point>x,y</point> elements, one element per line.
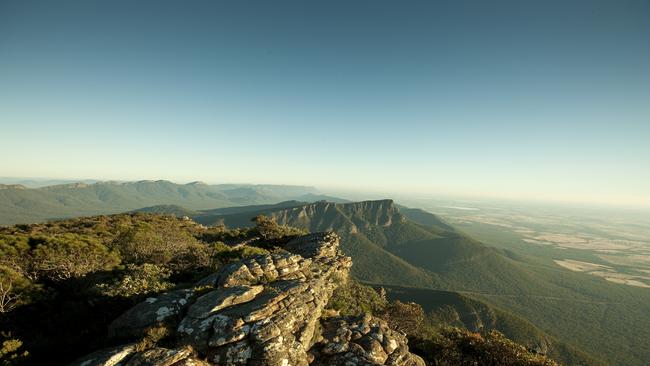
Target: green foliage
<point>15,289</point>
<point>12,352</point>
<point>453,346</point>
<point>159,244</point>
<point>269,230</point>
<point>69,285</point>
<point>575,309</point>
<point>438,345</point>
<point>408,318</point>
<point>14,254</point>
<point>353,298</point>
<point>71,256</point>
<point>138,280</point>
<point>73,200</point>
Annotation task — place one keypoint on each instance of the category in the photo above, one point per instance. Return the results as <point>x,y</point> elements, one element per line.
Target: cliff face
<point>265,310</point>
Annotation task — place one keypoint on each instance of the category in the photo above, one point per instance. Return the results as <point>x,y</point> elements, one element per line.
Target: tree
<point>144,243</point>
<point>72,256</point>
<point>269,229</point>
<point>15,255</point>
<point>407,318</point>
<point>8,295</point>
<point>15,289</point>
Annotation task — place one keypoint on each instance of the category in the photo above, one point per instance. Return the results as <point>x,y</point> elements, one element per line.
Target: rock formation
<point>264,310</point>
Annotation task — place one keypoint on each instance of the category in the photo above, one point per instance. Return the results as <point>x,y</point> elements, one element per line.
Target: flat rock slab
<point>106,357</point>
<point>214,301</point>
<point>152,311</point>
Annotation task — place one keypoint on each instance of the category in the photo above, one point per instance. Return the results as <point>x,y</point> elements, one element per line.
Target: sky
<point>517,99</point>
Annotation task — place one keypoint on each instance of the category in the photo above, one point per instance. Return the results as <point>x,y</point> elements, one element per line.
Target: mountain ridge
<point>391,249</point>
<point>20,204</point>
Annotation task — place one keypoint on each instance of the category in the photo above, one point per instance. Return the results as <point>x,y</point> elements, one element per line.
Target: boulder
<point>163,309</point>
<point>362,340</point>
<point>106,357</point>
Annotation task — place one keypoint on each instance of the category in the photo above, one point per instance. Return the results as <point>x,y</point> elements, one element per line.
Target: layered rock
<point>264,310</point>
<point>363,340</point>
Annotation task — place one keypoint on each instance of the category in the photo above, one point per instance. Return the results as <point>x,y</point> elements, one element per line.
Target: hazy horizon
<point>355,194</point>
<point>537,101</point>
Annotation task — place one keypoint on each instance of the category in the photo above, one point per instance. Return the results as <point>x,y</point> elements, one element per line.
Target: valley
<point>604,242</point>
<point>542,280</point>
<point>399,246</point>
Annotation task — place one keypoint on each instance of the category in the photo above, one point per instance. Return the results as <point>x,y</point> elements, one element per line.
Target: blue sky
<point>524,99</point>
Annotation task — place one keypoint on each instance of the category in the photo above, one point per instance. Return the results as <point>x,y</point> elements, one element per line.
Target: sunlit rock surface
<point>265,310</point>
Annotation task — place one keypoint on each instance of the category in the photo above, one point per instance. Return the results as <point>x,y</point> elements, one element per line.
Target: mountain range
<point>413,254</point>
<point>531,301</point>
<point>21,204</point>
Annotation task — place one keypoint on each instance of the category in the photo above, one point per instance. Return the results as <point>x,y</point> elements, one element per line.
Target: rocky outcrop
<point>154,310</point>
<point>264,310</point>
<point>363,340</point>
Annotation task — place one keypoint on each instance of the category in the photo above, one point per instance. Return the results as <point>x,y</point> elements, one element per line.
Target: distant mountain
<point>398,246</point>
<point>42,182</point>
<point>19,204</point>
<point>173,210</point>
<point>12,186</point>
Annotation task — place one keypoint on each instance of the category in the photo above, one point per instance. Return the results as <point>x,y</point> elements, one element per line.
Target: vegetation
<point>27,205</point>
<point>527,300</point>
<point>393,246</point>
<point>62,283</point>
<point>438,343</point>
<point>458,347</point>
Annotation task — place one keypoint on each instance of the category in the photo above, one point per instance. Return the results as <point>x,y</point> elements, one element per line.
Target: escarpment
<point>264,310</point>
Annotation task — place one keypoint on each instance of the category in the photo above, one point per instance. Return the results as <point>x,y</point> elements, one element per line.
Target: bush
<point>12,352</point>
<point>408,318</point>
<point>269,230</point>
<point>222,253</point>
<point>353,298</point>
<point>137,281</point>
<point>163,244</point>
<point>15,289</point>
<point>72,256</point>
<point>15,254</point>
<point>453,346</point>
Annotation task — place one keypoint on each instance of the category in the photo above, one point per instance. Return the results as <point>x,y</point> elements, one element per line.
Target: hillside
<point>459,310</point>
<point>389,248</point>
<point>144,289</point>
<point>20,204</point>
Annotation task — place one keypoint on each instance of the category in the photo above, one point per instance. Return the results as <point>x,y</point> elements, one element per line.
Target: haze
<point>543,100</point>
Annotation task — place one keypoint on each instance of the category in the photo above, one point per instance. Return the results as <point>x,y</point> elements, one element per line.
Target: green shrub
<point>408,318</point>
<point>453,346</point>
<point>15,289</point>
<point>145,243</point>
<point>353,298</point>
<point>72,256</point>
<point>270,230</point>
<point>138,280</point>
<point>12,352</point>
<point>15,254</point>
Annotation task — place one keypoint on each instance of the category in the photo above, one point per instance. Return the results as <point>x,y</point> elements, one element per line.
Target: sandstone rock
<point>216,300</point>
<point>106,357</point>
<point>154,310</point>
<point>159,357</point>
<point>364,341</point>
<point>266,310</point>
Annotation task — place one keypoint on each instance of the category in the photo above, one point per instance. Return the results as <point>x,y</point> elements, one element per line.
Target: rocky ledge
<point>265,310</point>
